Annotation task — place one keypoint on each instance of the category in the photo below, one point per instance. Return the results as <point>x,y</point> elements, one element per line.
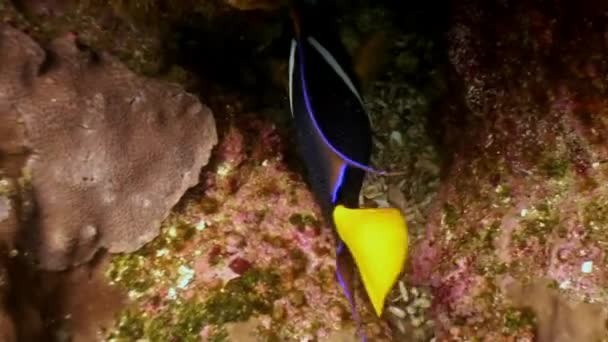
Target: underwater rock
<point>7,326</point>
<point>522,196</point>
<point>71,305</point>
<point>13,149</point>
<point>112,152</point>
<point>560,320</point>
<point>9,220</point>
<point>7,329</point>
<point>88,304</point>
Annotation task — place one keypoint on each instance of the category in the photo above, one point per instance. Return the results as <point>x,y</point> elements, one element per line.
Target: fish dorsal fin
<point>329,58</point>
<point>292,57</point>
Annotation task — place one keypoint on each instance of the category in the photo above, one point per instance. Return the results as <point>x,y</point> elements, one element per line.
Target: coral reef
<point>55,306</point>
<point>257,216</point>
<point>72,102</point>
<point>249,248</point>
<point>521,201</point>
<point>503,159</point>
<point>555,318</point>
<point>234,235</point>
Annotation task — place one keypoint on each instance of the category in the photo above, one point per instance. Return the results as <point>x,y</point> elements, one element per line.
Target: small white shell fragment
<point>403,291</point>
<point>396,311</point>
<point>172,231</point>
<point>186,275</point>
<point>133,294</point>
<point>410,310</point>
<point>224,169</point>
<point>416,322</point>
<point>422,303</point>
<point>171,293</point>
<point>201,225</point>
<point>401,327</point>
<point>372,191</point>
<point>587,267</point>
<point>396,138</point>
<point>381,202</point>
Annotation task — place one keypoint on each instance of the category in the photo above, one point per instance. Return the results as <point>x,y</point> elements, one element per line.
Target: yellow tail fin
<point>377,239</point>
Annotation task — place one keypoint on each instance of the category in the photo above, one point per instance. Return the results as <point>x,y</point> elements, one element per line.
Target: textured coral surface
<point>110,149</point>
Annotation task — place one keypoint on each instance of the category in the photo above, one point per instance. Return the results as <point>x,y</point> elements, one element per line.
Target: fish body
<point>328,142</point>
<point>334,139</point>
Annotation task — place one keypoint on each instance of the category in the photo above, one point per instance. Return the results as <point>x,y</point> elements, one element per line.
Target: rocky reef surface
<point>494,111</point>
<point>515,245</point>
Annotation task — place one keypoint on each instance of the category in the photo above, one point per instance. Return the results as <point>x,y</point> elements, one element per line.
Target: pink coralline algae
<point>260,254</point>
<point>522,201</point>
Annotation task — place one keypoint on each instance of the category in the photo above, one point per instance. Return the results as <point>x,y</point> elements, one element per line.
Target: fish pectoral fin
<point>377,240</point>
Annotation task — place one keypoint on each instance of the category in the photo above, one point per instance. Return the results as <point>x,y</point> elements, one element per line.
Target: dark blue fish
<point>334,141</point>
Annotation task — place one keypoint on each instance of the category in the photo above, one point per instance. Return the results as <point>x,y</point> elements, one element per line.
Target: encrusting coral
<point>109,152</point>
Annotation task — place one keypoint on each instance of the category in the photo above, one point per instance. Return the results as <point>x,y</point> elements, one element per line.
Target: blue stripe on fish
<point>338,185</point>
<point>349,297</point>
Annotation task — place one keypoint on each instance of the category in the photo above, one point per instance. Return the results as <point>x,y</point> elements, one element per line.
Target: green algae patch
<point>173,236</point>
<point>183,319</point>
<point>178,322</point>
<point>302,220</point>
<point>555,167</point>
<point>504,192</point>
<point>156,264</point>
<point>254,292</point>
<point>8,188</point>
<point>450,215</point>
<point>130,327</point>
<point>164,310</point>
<point>128,271</point>
<point>482,239</point>
<point>490,265</point>
<point>538,223</point>
<point>515,319</point>
<point>595,219</point>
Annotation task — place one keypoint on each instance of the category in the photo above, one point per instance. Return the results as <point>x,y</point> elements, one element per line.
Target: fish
<point>334,141</point>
